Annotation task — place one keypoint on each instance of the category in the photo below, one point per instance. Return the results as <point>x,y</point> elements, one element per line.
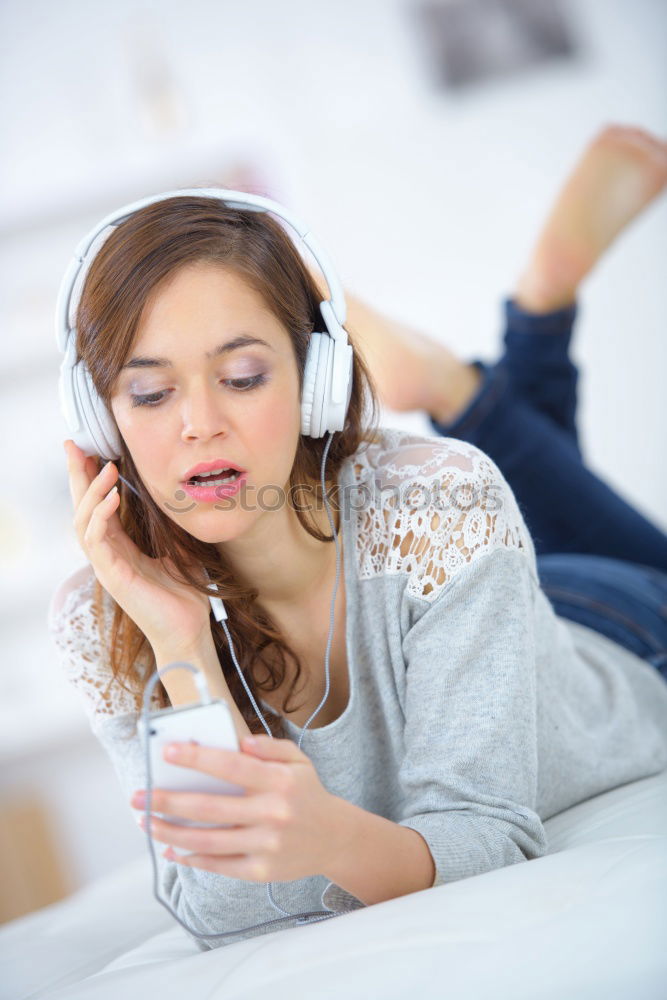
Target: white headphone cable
<point>220,615</point>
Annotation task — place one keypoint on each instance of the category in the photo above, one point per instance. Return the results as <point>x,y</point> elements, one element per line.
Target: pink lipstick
<point>211,481</point>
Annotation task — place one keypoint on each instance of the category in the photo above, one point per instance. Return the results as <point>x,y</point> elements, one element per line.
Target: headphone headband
<point>328,374</point>
<point>235,199</point>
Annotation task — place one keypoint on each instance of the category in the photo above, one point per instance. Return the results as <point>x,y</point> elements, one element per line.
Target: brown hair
<point>135,258</point>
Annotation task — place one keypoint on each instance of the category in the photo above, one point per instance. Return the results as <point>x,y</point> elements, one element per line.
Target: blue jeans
<point>600,561</point>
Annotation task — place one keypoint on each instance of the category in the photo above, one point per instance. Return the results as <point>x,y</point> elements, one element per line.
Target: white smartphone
<point>209,725</point>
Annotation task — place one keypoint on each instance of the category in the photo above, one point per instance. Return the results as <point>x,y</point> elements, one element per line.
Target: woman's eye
<point>237,384</point>
<point>243,384</point>
<point>151,400</point>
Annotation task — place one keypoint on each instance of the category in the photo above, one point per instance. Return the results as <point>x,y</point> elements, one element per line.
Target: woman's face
<point>239,405</point>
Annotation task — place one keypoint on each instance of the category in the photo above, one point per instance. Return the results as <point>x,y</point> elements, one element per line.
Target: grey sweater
<point>475,712</point>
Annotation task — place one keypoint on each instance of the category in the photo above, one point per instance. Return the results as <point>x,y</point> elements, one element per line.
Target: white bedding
<point>586,921</point>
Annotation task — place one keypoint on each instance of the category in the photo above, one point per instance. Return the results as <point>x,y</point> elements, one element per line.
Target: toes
<point>634,137</point>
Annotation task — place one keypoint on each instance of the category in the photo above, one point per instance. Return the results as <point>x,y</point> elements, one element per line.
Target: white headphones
<point>327,383</point>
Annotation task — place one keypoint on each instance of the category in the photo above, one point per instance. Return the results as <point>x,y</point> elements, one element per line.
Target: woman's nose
<point>203,414</point>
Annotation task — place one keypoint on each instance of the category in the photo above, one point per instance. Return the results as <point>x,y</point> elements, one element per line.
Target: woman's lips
<point>211,494</point>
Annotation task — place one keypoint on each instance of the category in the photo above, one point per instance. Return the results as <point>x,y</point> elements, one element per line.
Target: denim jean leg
<point>567,508</point>
<point>624,601</point>
<point>537,359</point>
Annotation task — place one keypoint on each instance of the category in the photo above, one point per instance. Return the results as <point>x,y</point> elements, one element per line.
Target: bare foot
<point>620,172</point>
<point>411,370</point>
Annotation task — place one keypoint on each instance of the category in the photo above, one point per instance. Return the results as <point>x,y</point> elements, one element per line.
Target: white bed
<point>586,921</point>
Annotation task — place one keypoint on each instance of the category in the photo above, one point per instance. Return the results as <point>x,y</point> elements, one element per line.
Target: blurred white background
<point>427,198</point>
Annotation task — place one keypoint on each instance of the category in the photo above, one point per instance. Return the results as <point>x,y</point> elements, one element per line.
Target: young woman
<point>462,709</point>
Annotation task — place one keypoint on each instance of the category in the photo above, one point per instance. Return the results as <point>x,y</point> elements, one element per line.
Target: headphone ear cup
<point>309,418</point>
<point>323,381</point>
<point>318,411</point>
<point>97,422</point>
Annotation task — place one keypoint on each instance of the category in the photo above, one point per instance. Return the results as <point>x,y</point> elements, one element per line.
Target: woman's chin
<point>207,524</point>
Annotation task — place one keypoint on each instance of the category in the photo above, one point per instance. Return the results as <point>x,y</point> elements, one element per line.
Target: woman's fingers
<point>96,492</point>
<point>225,810</point>
<point>94,504</point>
<point>97,528</point>
<point>237,767</point>
<point>80,469</point>
<point>87,485</point>
<point>236,841</point>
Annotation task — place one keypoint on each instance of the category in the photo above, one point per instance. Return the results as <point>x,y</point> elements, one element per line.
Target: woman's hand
<point>284,827</point>
<point>168,613</point>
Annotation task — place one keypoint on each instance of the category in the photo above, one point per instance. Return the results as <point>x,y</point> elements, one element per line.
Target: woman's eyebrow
<point>242,340</point>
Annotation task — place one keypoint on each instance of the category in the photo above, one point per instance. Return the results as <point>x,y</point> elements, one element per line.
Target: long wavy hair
<point>134,259</point>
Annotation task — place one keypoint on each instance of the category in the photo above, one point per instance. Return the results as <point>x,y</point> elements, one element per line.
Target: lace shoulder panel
<point>82,655</point>
<point>428,506</point>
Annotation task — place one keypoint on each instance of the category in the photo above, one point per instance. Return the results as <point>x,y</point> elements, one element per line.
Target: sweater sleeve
<point>469,772</point>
